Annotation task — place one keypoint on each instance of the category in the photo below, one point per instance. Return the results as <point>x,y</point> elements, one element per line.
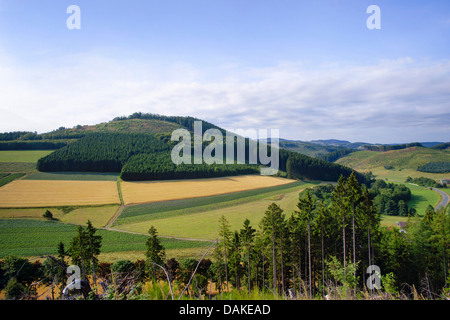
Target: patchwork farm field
<point>36,193</point>
<point>98,215</point>
<point>73,198</point>
<point>152,191</point>
<point>202,222</point>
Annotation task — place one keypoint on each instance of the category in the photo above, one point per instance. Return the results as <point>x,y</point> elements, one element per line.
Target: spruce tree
<point>271,226</point>
<point>354,196</point>
<point>155,251</point>
<point>223,245</point>
<point>340,203</point>
<point>247,236</point>
<point>307,206</point>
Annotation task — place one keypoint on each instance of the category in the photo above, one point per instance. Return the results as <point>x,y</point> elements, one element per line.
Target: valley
<point>181,208</point>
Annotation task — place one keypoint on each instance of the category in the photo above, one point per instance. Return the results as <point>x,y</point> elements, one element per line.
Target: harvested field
<point>35,193</point>
<point>152,191</point>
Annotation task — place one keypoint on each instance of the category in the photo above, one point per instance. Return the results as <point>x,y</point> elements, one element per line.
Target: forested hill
<point>138,146</point>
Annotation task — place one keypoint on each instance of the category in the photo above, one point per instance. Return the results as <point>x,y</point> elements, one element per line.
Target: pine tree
<point>354,197</point>
<point>94,243</point>
<point>155,252</point>
<point>441,229</point>
<point>271,226</point>
<point>322,222</point>
<point>307,206</point>
<point>247,236</point>
<point>235,260</point>
<point>224,243</point>
<point>340,203</point>
<point>78,251</point>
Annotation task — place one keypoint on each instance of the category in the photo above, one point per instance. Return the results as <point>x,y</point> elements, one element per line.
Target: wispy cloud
<point>401,100</point>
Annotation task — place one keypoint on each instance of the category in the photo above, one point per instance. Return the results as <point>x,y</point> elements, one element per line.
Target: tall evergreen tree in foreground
<point>84,249</point>
<point>272,224</point>
<point>340,203</point>
<point>155,251</point>
<point>307,206</point>
<point>247,236</point>
<point>222,248</point>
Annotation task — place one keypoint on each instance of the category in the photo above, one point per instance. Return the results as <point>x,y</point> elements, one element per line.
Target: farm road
<point>444,201</point>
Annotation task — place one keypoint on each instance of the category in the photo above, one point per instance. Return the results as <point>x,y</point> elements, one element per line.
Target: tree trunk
<point>249,271</point>
<point>274,261</point>
<point>309,256</point>
<point>343,238</point>
<point>323,265</point>
<point>226,266</point>
<point>354,241</point>
<point>282,264</point>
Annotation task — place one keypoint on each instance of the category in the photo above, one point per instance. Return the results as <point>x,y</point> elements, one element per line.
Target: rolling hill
<point>138,146</point>
<point>396,163</point>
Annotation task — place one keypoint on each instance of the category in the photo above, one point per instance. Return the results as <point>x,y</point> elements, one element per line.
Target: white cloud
<point>401,100</point>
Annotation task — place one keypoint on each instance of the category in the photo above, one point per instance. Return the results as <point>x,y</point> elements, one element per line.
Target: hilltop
<point>138,147</point>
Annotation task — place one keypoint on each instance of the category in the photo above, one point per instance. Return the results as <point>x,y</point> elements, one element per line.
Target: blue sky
<point>309,68</point>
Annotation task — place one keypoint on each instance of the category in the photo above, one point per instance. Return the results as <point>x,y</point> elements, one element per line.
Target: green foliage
<point>384,148</point>
<point>343,275</point>
<point>85,248</point>
<point>18,274</point>
<point>423,181</point>
<point>100,152</point>
<point>441,146</point>
<point>160,167</point>
<point>155,252</point>
<point>435,167</point>
<point>299,166</point>
<point>14,289</point>
<point>48,215</point>
<point>335,155</point>
<point>390,198</point>
<point>33,145</point>
<point>123,266</point>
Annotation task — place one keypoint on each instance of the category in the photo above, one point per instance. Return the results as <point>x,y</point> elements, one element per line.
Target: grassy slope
<point>29,156</point>
<point>405,162</point>
<point>18,237</point>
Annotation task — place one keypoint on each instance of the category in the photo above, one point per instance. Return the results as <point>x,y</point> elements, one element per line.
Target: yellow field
<point>98,215</point>
<point>35,193</point>
<point>151,191</point>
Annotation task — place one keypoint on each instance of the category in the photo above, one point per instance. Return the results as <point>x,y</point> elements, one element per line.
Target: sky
<point>312,69</point>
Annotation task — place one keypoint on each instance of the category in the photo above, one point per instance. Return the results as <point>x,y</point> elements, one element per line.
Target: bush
<point>14,289</point>
<point>48,215</point>
<point>122,266</point>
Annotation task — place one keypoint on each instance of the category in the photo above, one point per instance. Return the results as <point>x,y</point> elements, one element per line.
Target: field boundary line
<point>119,210</point>
<point>114,217</point>
<point>160,236</point>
